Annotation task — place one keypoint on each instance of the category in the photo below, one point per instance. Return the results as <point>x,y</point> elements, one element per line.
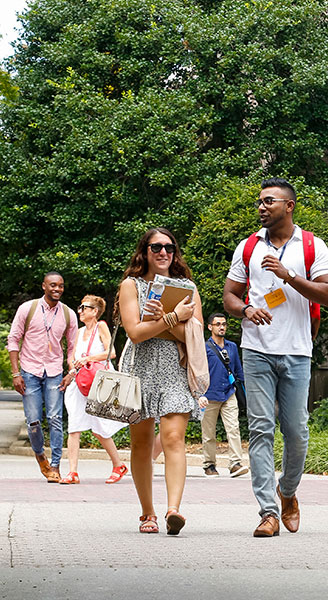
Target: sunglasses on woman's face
<point>156,248</point>
<point>83,306</point>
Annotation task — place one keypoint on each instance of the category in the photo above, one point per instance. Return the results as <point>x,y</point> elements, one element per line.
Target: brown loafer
<point>290,512</point>
<point>54,475</point>
<point>44,465</point>
<point>268,527</point>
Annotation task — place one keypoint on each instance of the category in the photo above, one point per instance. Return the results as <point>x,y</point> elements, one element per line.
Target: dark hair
<point>53,273</point>
<point>139,264</point>
<point>212,317</point>
<point>281,183</point>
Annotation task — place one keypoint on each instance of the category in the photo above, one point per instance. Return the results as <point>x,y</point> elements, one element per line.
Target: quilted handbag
<point>114,395</point>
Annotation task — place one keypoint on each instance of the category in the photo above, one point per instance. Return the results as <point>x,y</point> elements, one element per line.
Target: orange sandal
<point>148,524</point>
<point>117,474</point>
<point>174,521</point>
<point>72,477</point>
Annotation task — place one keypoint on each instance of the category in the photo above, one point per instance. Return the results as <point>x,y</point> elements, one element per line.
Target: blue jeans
<point>286,378</point>
<point>38,390</point>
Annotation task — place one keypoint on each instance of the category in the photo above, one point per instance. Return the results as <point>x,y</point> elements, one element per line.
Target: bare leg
<point>173,429</point>
<point>73,448</point>
<point>142,439</point>
<point>109,445</point>
<point>157,447</point>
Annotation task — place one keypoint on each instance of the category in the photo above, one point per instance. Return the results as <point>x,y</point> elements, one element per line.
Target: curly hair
<point>138,265</point>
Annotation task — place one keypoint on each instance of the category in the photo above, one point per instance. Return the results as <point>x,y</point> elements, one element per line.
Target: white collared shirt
<point>290,329</point>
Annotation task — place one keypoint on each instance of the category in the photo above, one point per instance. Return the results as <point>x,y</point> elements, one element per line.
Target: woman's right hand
<point>185,309</point>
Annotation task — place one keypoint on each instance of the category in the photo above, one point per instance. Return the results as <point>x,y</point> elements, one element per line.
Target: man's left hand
<point>271,263</point>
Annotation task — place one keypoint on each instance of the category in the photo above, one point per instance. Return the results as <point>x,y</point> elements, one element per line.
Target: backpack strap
<point>33,308</point>
<point>308,248</point>
<point>309,256</point>
<point>247,253</point>
<point>30,314</point>
<point>67,317</point>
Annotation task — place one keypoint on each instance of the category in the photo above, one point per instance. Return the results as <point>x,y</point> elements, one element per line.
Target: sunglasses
<point>156,248</point>
<point>83,306</point>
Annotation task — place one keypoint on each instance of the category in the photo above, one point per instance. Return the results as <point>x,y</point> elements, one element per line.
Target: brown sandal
<point>148,524</point>
<point>174,521</point>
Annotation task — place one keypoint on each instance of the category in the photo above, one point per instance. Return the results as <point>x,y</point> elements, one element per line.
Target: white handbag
<point>114,395</point>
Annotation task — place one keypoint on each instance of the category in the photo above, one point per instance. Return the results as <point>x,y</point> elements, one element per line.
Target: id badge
<point>275,298</point>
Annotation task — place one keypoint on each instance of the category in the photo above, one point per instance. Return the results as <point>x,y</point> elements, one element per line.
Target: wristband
<point>245,308</point>
<point>16,375</point>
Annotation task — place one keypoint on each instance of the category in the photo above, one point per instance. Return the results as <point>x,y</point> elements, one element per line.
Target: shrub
<point>317,456</point>
<point>5,366</point>
<point>319,417</point>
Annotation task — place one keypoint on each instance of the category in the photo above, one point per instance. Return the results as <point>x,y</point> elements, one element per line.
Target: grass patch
<point>317,457</point>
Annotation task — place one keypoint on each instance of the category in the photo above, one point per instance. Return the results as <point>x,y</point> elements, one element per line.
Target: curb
<point>18,448</point>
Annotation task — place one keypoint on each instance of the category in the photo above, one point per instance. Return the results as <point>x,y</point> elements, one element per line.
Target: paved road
<point>72,542</point>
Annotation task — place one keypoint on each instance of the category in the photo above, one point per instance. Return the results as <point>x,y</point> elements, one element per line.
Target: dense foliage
<point>129,110</point>
<point>232,217</point>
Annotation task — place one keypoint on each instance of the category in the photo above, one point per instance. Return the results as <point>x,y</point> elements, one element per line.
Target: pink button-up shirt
<point>36,354</point>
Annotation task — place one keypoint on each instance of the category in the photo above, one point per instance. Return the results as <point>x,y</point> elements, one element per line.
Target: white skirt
<point>79,420</point>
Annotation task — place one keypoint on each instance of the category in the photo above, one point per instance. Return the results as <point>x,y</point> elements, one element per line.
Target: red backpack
<point>309,256</point>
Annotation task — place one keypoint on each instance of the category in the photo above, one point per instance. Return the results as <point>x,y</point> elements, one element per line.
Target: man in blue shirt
<point>221,399</point>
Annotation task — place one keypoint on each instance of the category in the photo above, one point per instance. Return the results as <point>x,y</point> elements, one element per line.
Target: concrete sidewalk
<point>82,541</point>
<point>67,542</point>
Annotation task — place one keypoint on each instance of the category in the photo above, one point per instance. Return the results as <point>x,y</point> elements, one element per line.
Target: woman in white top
<point>90,310</point>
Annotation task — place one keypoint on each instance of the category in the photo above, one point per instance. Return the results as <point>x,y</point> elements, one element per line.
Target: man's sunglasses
<point>156,248</point>
<point>83,306</point>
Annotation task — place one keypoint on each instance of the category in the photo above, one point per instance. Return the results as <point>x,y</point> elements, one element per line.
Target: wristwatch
<point>245,308</point>
<point>291,275</point>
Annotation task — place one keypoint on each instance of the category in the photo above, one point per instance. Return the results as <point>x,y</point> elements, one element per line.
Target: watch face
<point>291,273</point>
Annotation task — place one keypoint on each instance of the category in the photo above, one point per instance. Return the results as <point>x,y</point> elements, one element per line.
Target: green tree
<point>127,112</point>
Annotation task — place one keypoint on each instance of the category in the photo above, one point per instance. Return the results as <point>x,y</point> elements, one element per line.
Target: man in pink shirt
<point>40,379</point>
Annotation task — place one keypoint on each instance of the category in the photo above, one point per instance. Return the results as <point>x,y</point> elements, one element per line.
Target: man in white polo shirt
<point>277,346</point>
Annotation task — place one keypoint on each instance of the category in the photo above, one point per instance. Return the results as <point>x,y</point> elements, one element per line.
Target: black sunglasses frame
<point>157,247</point>
<point>81,307</point>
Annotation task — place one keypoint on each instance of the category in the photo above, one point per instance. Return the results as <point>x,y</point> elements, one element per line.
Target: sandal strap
<point>148,524</point>
<point>145,518</point>
<point>120,470</point>
<point>172,509</point>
